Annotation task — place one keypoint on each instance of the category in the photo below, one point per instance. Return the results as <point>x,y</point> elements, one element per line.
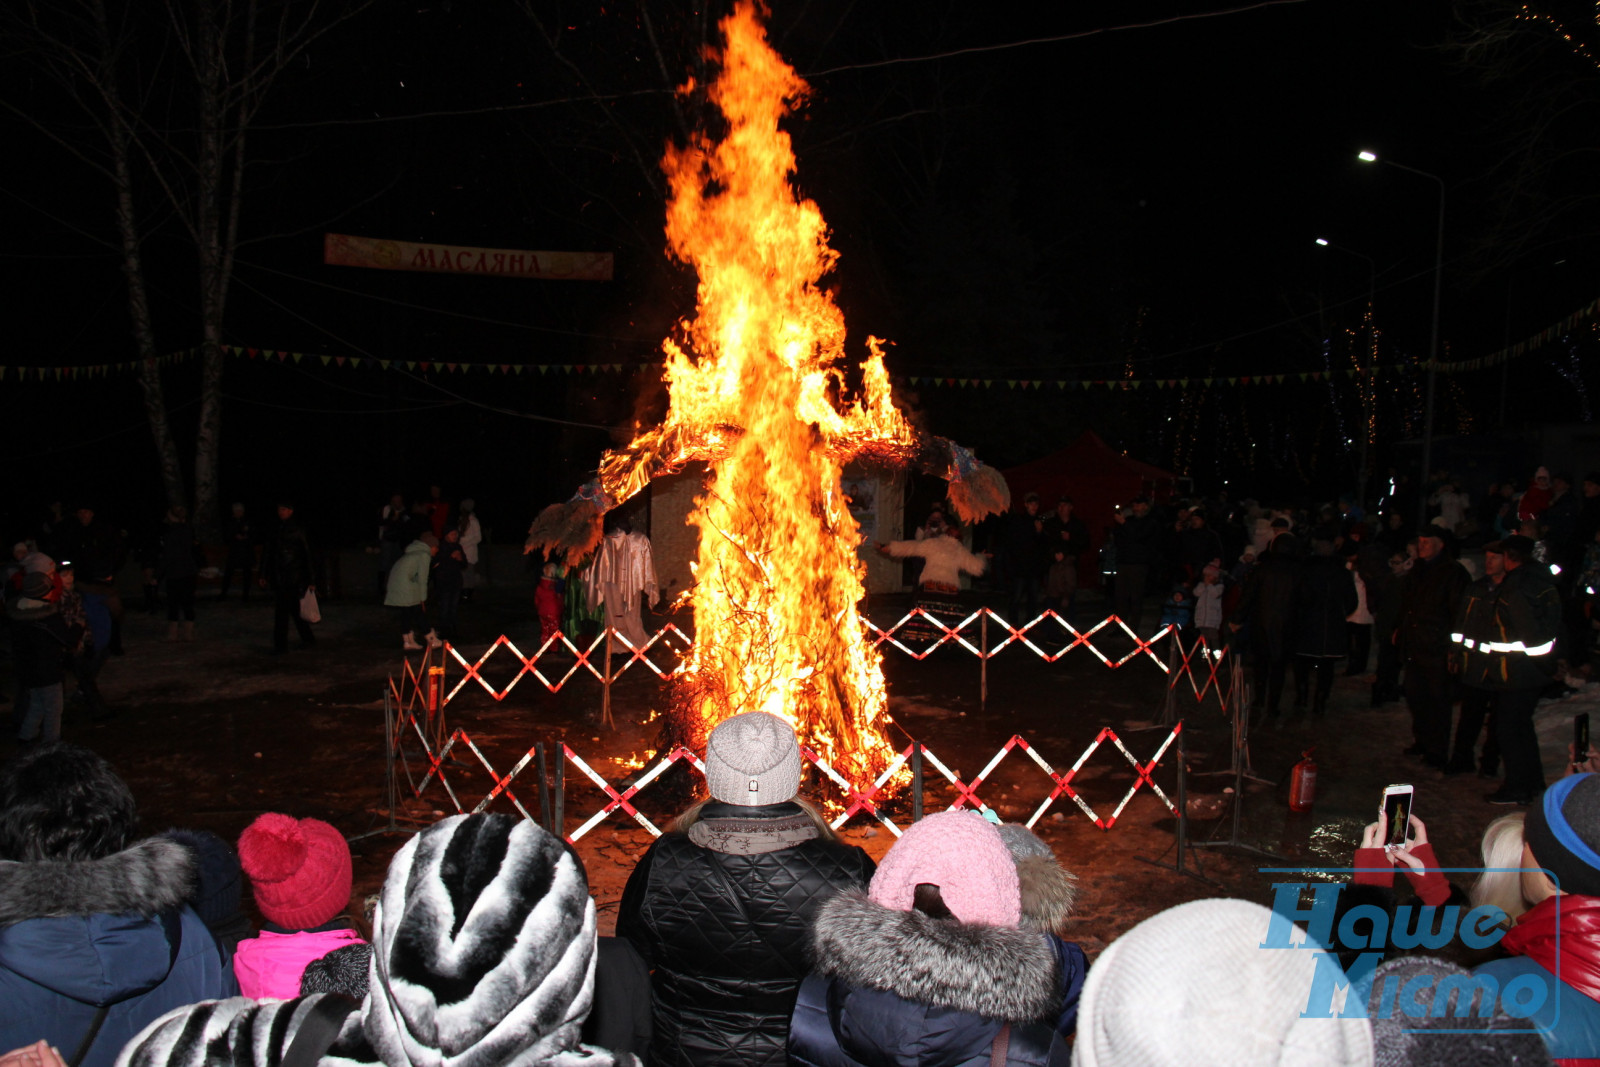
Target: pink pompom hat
<point>964,855</point>
<point>299,869</point>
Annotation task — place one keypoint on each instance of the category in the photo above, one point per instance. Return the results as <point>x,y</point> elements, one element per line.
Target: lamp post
<point>1433,341</point>
<point>1367,398</point>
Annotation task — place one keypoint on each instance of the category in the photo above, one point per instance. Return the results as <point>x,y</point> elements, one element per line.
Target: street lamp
<point>1433,342</point>
<point>1372,355</point>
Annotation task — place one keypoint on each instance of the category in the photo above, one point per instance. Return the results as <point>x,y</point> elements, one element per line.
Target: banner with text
<point>343,250</point>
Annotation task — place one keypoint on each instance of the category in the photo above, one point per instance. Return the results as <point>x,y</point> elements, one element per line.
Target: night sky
<point>1134,204</point>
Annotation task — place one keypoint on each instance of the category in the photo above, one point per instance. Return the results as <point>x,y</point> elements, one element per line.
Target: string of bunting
<point>274,355</point>
<point>1549,333</point>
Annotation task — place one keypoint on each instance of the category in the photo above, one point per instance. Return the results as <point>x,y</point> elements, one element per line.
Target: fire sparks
<point>758,391</point>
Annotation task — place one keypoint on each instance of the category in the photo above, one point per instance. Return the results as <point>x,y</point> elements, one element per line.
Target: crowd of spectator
<point>1471,616</point>
<point>751,934</point>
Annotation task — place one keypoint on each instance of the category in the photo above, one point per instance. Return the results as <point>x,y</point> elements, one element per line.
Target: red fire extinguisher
<point>1303,782</point>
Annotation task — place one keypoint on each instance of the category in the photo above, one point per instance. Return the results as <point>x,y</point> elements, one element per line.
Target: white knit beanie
<point>753,759</point>
<point>1192,985</point>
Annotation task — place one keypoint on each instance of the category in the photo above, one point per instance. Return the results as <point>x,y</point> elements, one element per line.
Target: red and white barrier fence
<point>556,662</point>
<point>415,720</point>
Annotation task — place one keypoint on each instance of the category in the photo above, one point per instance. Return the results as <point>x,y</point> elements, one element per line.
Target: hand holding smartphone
<point>1395,816</point>
<point>1580,737</point>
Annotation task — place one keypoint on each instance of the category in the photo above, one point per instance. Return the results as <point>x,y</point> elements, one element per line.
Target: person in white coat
<point>471,538</point>
<point>945,559</point>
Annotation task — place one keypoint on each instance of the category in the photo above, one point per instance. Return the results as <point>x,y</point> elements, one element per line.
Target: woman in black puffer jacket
<point>721,907</point>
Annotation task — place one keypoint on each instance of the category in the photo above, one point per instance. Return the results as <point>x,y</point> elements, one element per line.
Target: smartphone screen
<point>1580,737</point>
<point>1396,816</point>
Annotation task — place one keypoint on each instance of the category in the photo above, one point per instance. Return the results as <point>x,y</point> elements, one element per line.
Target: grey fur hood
<point>149,877</point>
<point>998,972</point>
<point>1048,892</point>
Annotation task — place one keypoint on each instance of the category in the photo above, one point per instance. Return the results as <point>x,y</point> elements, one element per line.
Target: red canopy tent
<point>1096,477</point>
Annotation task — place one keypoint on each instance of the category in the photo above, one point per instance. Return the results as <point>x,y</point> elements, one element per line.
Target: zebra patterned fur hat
<point>483,956</point>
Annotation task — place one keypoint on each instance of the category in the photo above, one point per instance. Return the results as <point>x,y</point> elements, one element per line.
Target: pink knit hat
<point>964,855</point>
<point>298,868</point>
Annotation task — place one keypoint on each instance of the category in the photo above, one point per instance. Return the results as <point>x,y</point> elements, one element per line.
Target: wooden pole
<point>916,781</point>
<point>544,786</point>
<point>983,661</point>
<point>605,680</point>
<point>558,818</point>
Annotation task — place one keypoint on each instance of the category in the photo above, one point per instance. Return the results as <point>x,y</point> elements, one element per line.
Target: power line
<point>423,381</point>
<point>1079,35</point>
<point>601,98</point>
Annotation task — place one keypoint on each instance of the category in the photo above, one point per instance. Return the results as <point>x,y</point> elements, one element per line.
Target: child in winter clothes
<point>483,956</point>
<point>300,872</point>
<point>40,639</point>
<point>1208,592</point>
<point>931,964</point>
<point>1178,611</point>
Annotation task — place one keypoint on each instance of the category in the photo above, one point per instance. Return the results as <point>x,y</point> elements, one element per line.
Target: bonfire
<point>762,393</point>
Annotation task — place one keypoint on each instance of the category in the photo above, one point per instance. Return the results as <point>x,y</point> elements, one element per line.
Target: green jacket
<point>408,578</point>
<point>1509,641</point>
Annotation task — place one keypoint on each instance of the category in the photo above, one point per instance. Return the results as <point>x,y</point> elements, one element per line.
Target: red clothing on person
<point>439,516</point>
<point>1562,935</point>
<point>1533,502</point>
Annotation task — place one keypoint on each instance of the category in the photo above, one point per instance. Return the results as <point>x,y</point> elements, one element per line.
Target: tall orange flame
<point>758,392</point>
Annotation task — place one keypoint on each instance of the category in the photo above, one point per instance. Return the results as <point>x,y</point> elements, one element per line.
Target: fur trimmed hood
<point>1048,893</point>
<point>147,878</point>
<point>998,972</point>
<point>483,955</point>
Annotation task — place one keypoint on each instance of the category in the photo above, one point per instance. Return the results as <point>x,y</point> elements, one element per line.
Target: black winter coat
<point>1325,596</point>
<point>726,934</point>
<point>1524,608</point>
<point>288,563</point>
<point>178,551</point>
<point>40,640</point>
<point>1429,599</point>
<point>1138,539</point>
<point>1266,603</point>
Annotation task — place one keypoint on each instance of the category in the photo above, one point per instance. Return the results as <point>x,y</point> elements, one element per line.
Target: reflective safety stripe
<point>1518,646</point>
<point>1457,638</point>
<point>1470,643</point>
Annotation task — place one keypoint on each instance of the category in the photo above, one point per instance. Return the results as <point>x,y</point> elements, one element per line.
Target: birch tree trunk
<point>144,335</point>
<point>210,74</point>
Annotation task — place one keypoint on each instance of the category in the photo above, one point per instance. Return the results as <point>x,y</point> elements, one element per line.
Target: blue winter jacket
<point>902,989</point>
<point>113,932</point>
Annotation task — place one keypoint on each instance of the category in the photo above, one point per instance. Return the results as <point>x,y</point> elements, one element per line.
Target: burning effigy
<point>761,392</point>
